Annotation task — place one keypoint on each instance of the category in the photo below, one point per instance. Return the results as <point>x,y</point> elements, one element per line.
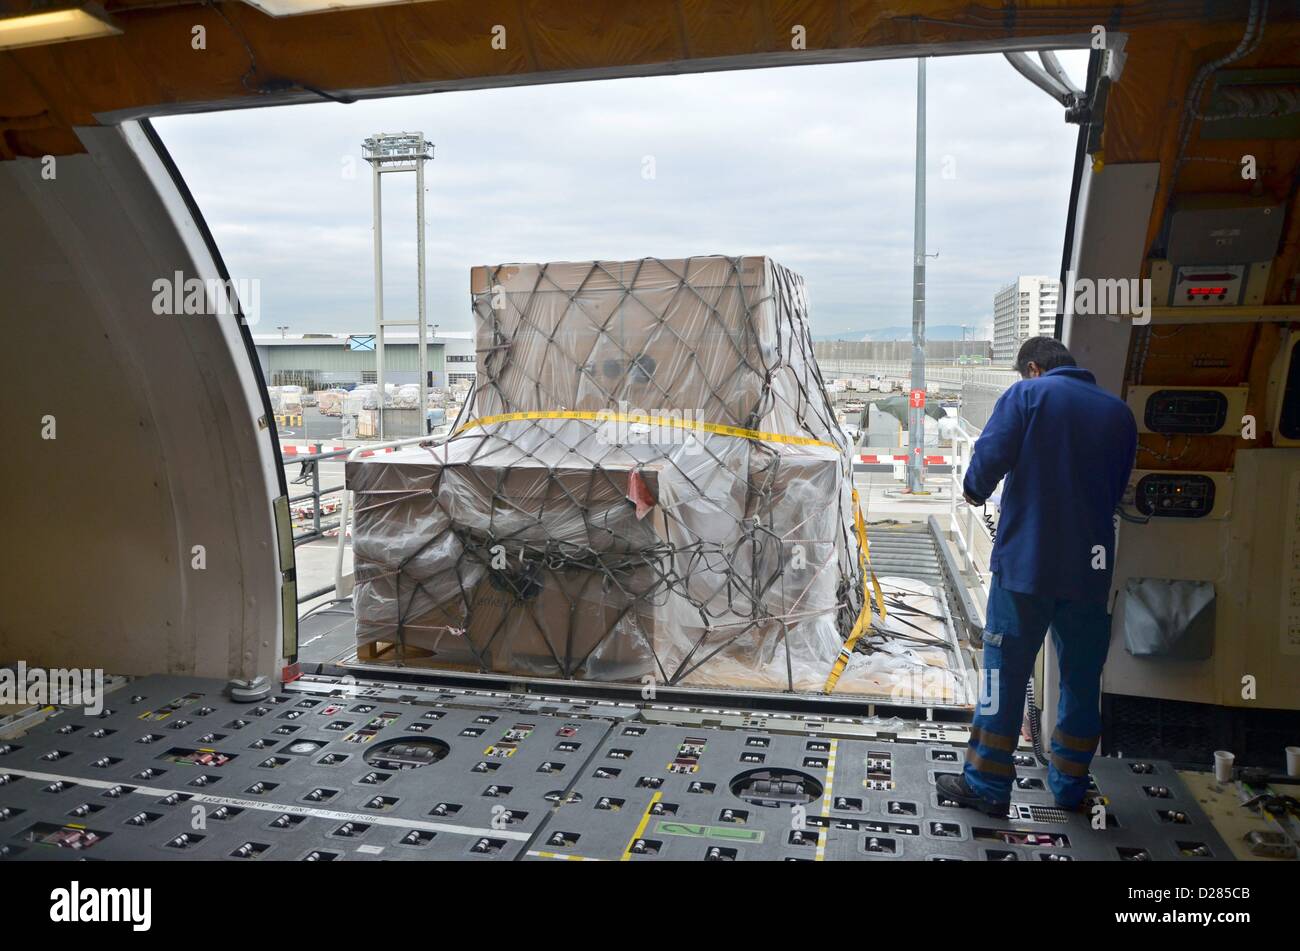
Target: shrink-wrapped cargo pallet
<point>330,402</point>
<point>651,486</point>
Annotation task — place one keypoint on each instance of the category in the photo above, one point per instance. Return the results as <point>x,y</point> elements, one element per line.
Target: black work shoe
<point>956,789</point>
<point>1083,806</point>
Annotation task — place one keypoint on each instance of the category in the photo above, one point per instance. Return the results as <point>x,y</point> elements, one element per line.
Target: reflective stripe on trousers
<point>1018,624</point>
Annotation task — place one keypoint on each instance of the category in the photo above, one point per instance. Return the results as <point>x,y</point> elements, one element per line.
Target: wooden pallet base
<point>398,655</point>
<point>390,651</point>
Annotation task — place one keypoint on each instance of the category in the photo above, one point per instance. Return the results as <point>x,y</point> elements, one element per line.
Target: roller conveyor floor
<point>329,769</point>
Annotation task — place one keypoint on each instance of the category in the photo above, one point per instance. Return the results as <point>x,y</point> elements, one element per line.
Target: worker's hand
<point>970,501</point>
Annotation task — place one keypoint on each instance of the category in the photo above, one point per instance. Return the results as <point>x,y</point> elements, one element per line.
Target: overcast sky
<point>811,165</point>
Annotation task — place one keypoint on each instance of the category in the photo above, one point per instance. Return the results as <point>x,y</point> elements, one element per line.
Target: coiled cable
<point>1035,723</point>
<point>989,522</point>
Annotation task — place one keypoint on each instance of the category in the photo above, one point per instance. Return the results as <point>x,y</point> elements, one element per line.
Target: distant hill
<point>904,332</point>
<point>932,332</point>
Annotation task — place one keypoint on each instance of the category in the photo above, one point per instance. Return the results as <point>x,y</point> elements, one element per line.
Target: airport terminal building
<point>318,361</point>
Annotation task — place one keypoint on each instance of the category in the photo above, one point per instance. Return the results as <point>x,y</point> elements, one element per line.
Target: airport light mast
<point>389,152</point>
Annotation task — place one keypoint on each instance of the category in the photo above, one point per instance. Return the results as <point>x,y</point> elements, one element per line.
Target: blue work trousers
<point>1015,626</point>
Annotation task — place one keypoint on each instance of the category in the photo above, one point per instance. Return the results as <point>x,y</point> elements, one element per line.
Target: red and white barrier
<point>878,460</point>
<point>371,452</point>
<point>327,507</point>
<point>312,450</point>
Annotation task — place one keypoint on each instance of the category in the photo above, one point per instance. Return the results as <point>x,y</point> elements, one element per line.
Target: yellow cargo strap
<point>864,616</point>
<point>606,416</point>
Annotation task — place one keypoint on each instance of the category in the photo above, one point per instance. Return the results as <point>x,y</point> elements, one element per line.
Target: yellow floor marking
<point>645,820</point>
<point>567,858</point>
<point>825,833</point>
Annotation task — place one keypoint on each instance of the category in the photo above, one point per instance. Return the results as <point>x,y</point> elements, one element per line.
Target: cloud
<point>812,165</point>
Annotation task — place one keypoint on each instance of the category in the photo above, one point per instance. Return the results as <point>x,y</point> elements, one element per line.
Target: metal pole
<point>379,297</point>
<point>916,413</point>
<point>315,493</point>
<point>423,351</point>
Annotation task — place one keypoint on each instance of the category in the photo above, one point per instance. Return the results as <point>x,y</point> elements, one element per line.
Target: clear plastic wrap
<point>907,656</point>
<point>631,543</point>
<point>285,399</point>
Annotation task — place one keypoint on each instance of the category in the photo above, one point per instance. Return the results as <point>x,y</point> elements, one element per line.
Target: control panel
<point>1219,253</point>
<point>1218,286</point>
<point>1188,410</point>
<point>1189,495</point>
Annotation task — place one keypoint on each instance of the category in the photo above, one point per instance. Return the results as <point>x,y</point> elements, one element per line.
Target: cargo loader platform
<point>335,768</point>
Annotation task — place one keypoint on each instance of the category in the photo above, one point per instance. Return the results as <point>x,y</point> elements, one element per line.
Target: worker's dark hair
<point>1048,352</point>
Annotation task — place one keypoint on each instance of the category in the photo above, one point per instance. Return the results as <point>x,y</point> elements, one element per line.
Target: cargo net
<point>649,485</point>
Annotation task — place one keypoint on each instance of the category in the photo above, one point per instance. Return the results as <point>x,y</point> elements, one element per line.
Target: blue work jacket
<point>1066,448</point>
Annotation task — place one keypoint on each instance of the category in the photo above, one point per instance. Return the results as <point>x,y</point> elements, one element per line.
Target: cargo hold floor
<point>327,769</point>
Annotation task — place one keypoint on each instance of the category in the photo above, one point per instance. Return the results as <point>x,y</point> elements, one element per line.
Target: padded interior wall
<point>1112,214</point>
<point>157,444</point>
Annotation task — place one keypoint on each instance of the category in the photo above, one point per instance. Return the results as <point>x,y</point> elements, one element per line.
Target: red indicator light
<point>1214,291</point>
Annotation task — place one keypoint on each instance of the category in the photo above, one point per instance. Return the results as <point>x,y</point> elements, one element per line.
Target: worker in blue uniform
<point>1066,448</point>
